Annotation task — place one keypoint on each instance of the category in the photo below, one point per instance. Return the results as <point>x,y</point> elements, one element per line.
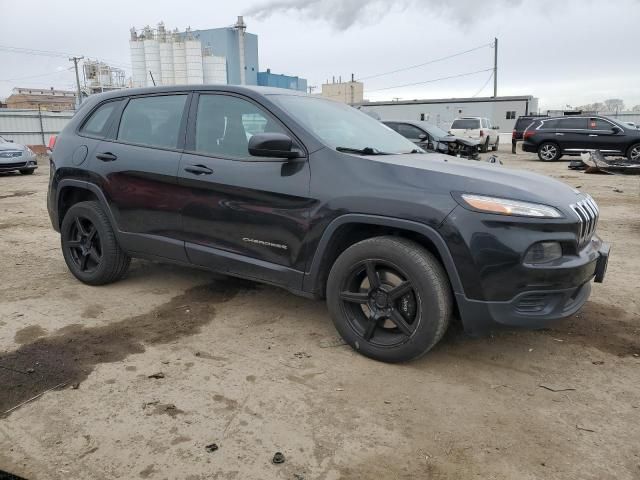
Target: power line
<point>483,86</point>
<point>9,80</point>
<point>427,63</point>
<point>50,53</point>
<point>432,80</point>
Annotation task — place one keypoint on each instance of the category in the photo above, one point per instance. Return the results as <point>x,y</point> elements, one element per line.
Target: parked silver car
<point>16,157</point>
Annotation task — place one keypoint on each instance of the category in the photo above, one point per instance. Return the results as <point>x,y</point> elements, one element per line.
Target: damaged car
<point>433,139</point>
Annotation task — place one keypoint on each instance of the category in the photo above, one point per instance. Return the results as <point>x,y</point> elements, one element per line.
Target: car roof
<point>250,89</point>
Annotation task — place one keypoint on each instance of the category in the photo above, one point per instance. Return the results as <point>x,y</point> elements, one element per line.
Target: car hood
<point>484,178</point>
<point>12,147</point>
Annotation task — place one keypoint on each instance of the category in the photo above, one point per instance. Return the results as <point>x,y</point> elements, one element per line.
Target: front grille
<point>10,154</point>
<point>587,212</point>
<point>12,165</point>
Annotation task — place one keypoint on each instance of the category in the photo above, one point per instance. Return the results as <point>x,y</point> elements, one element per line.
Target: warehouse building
<point>502,111</point>
<point>41,98</point>
<point>269,79</point>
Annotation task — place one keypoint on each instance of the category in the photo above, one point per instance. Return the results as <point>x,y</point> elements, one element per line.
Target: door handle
<point>593,135</point>
<point>559,134</point>
<point>106,157</point>
<point>198,170</point>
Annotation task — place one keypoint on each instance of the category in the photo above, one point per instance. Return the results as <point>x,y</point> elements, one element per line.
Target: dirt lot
<point>257,370</point>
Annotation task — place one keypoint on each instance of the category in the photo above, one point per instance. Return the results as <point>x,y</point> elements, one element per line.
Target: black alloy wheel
<point>84,245</point>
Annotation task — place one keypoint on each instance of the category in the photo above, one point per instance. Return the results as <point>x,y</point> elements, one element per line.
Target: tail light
<point>481,133</point>
<point>513,135</point>
<point>52,142</point>
<point>528,134</point>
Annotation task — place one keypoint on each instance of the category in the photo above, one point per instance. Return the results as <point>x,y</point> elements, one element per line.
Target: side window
<point>392,126</point>
<point>599,124</point>
<point>98,122</point>
<point>409,131</point>
<point>224,125</point>
<point>549,124</point>
<point>572,123</point>
<point>153,121</point>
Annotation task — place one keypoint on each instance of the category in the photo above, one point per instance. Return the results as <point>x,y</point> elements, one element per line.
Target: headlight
<point>504,206</point>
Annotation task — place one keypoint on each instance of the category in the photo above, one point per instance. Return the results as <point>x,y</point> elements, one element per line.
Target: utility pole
<point>75,61</point>
<point>495,68</point>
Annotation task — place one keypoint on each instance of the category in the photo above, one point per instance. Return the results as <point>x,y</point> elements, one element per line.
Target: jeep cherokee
<point>316,197</point>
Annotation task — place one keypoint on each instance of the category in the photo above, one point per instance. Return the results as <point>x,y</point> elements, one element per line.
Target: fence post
<point>41,126</point>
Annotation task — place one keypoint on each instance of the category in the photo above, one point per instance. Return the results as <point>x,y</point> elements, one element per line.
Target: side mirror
<point>496,128</point>
<point>616,129</point>
<point>10,141</point>
<point>272,145</point>
<point>423,136</point>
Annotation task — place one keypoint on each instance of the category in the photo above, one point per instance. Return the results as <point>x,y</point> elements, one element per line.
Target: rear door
<point>572,134</point>
<point>246,215</point>
<point>136,168</point>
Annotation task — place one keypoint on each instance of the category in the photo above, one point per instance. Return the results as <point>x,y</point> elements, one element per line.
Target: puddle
<point>29,334</point>
<point>70,354</point>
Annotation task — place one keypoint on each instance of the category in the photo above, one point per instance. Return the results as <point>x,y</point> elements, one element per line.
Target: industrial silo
<point>179,61</point>
<point>193,52</point>
<point>166,63</point>
<point>152,59</point>
<point>138,66</point>
<point>219,69</point>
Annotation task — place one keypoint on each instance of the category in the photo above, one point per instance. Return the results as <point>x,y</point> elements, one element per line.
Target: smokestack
<point>241,27</point>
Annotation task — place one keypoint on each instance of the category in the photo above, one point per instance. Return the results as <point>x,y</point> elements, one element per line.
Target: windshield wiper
<point>362,151</point>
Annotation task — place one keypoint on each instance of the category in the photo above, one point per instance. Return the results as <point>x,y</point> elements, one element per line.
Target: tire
<point>27,172</point>
<point>421,309</point>
<point>485,147</point>
<point>497,144</point>
<point>549,152</point>
<point>89,245</point>
<point>633,154</point>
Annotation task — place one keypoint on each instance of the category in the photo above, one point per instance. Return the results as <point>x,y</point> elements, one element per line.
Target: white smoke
<point>342,14</point>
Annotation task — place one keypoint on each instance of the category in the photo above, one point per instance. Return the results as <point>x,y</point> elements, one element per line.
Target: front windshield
<point>436,131</point>
<point>341,126</point>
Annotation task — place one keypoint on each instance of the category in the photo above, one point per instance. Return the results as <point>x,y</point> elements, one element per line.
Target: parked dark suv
<point>323,200</point>
<point>551,138</point>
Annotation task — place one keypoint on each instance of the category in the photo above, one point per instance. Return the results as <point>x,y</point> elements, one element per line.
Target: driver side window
<point>224,125</point>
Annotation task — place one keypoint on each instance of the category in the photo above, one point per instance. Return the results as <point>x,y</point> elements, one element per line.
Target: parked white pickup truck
<point>477,128</point>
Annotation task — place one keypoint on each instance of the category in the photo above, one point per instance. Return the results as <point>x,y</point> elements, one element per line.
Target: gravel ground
<point>256,370</point>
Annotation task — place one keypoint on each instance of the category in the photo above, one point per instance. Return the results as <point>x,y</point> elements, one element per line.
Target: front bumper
<point>25,162</point>
<point>533,308</point>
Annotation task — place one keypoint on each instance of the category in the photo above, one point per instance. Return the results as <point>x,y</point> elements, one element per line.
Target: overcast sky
<point>564,52</point>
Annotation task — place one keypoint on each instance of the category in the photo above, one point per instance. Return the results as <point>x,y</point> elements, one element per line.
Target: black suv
<point>323,200</point>
<point>551,138</point>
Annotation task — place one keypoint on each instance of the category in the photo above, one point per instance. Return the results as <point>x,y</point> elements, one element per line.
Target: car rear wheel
<point>495,147</point>
<point>634,153</point>
<point>549,152</point>
<point>485,147</point>
<point>389,298</point>
<point>89,245</point>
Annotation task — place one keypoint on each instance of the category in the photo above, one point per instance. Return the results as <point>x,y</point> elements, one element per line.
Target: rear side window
<point>465,124</point>
<point>153,121</point>
<point>599,124</point>
<point>98,121</point>
<point>549,124</point>
<point>576,123</point>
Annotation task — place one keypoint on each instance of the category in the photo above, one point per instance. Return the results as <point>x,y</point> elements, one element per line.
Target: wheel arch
<point>349,229</point>
<point>72,191</point>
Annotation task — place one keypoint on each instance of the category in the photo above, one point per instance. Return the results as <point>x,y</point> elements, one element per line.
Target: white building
<point>503,111</point>
<point>159,57</point>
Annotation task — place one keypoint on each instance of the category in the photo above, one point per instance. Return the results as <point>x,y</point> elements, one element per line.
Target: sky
<point>569,52</point>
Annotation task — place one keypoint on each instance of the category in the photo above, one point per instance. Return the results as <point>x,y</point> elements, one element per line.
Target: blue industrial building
<point>268,79</point>
<point>224,42</point>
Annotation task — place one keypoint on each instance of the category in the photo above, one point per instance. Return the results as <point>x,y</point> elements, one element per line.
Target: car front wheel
<point>634,153</point>
<point>389,298</point>
<point>548,152</point>
<point>89,245</point>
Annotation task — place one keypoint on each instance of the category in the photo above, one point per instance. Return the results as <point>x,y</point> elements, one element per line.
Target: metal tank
<point>193,53</point>
<point>179,61</point>
<point>138,66</point>
<point>152,60</point>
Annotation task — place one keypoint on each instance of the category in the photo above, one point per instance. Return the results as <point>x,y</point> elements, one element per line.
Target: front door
<point>137,170</point>
<point>242,214</point>
<point>608,139</point>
